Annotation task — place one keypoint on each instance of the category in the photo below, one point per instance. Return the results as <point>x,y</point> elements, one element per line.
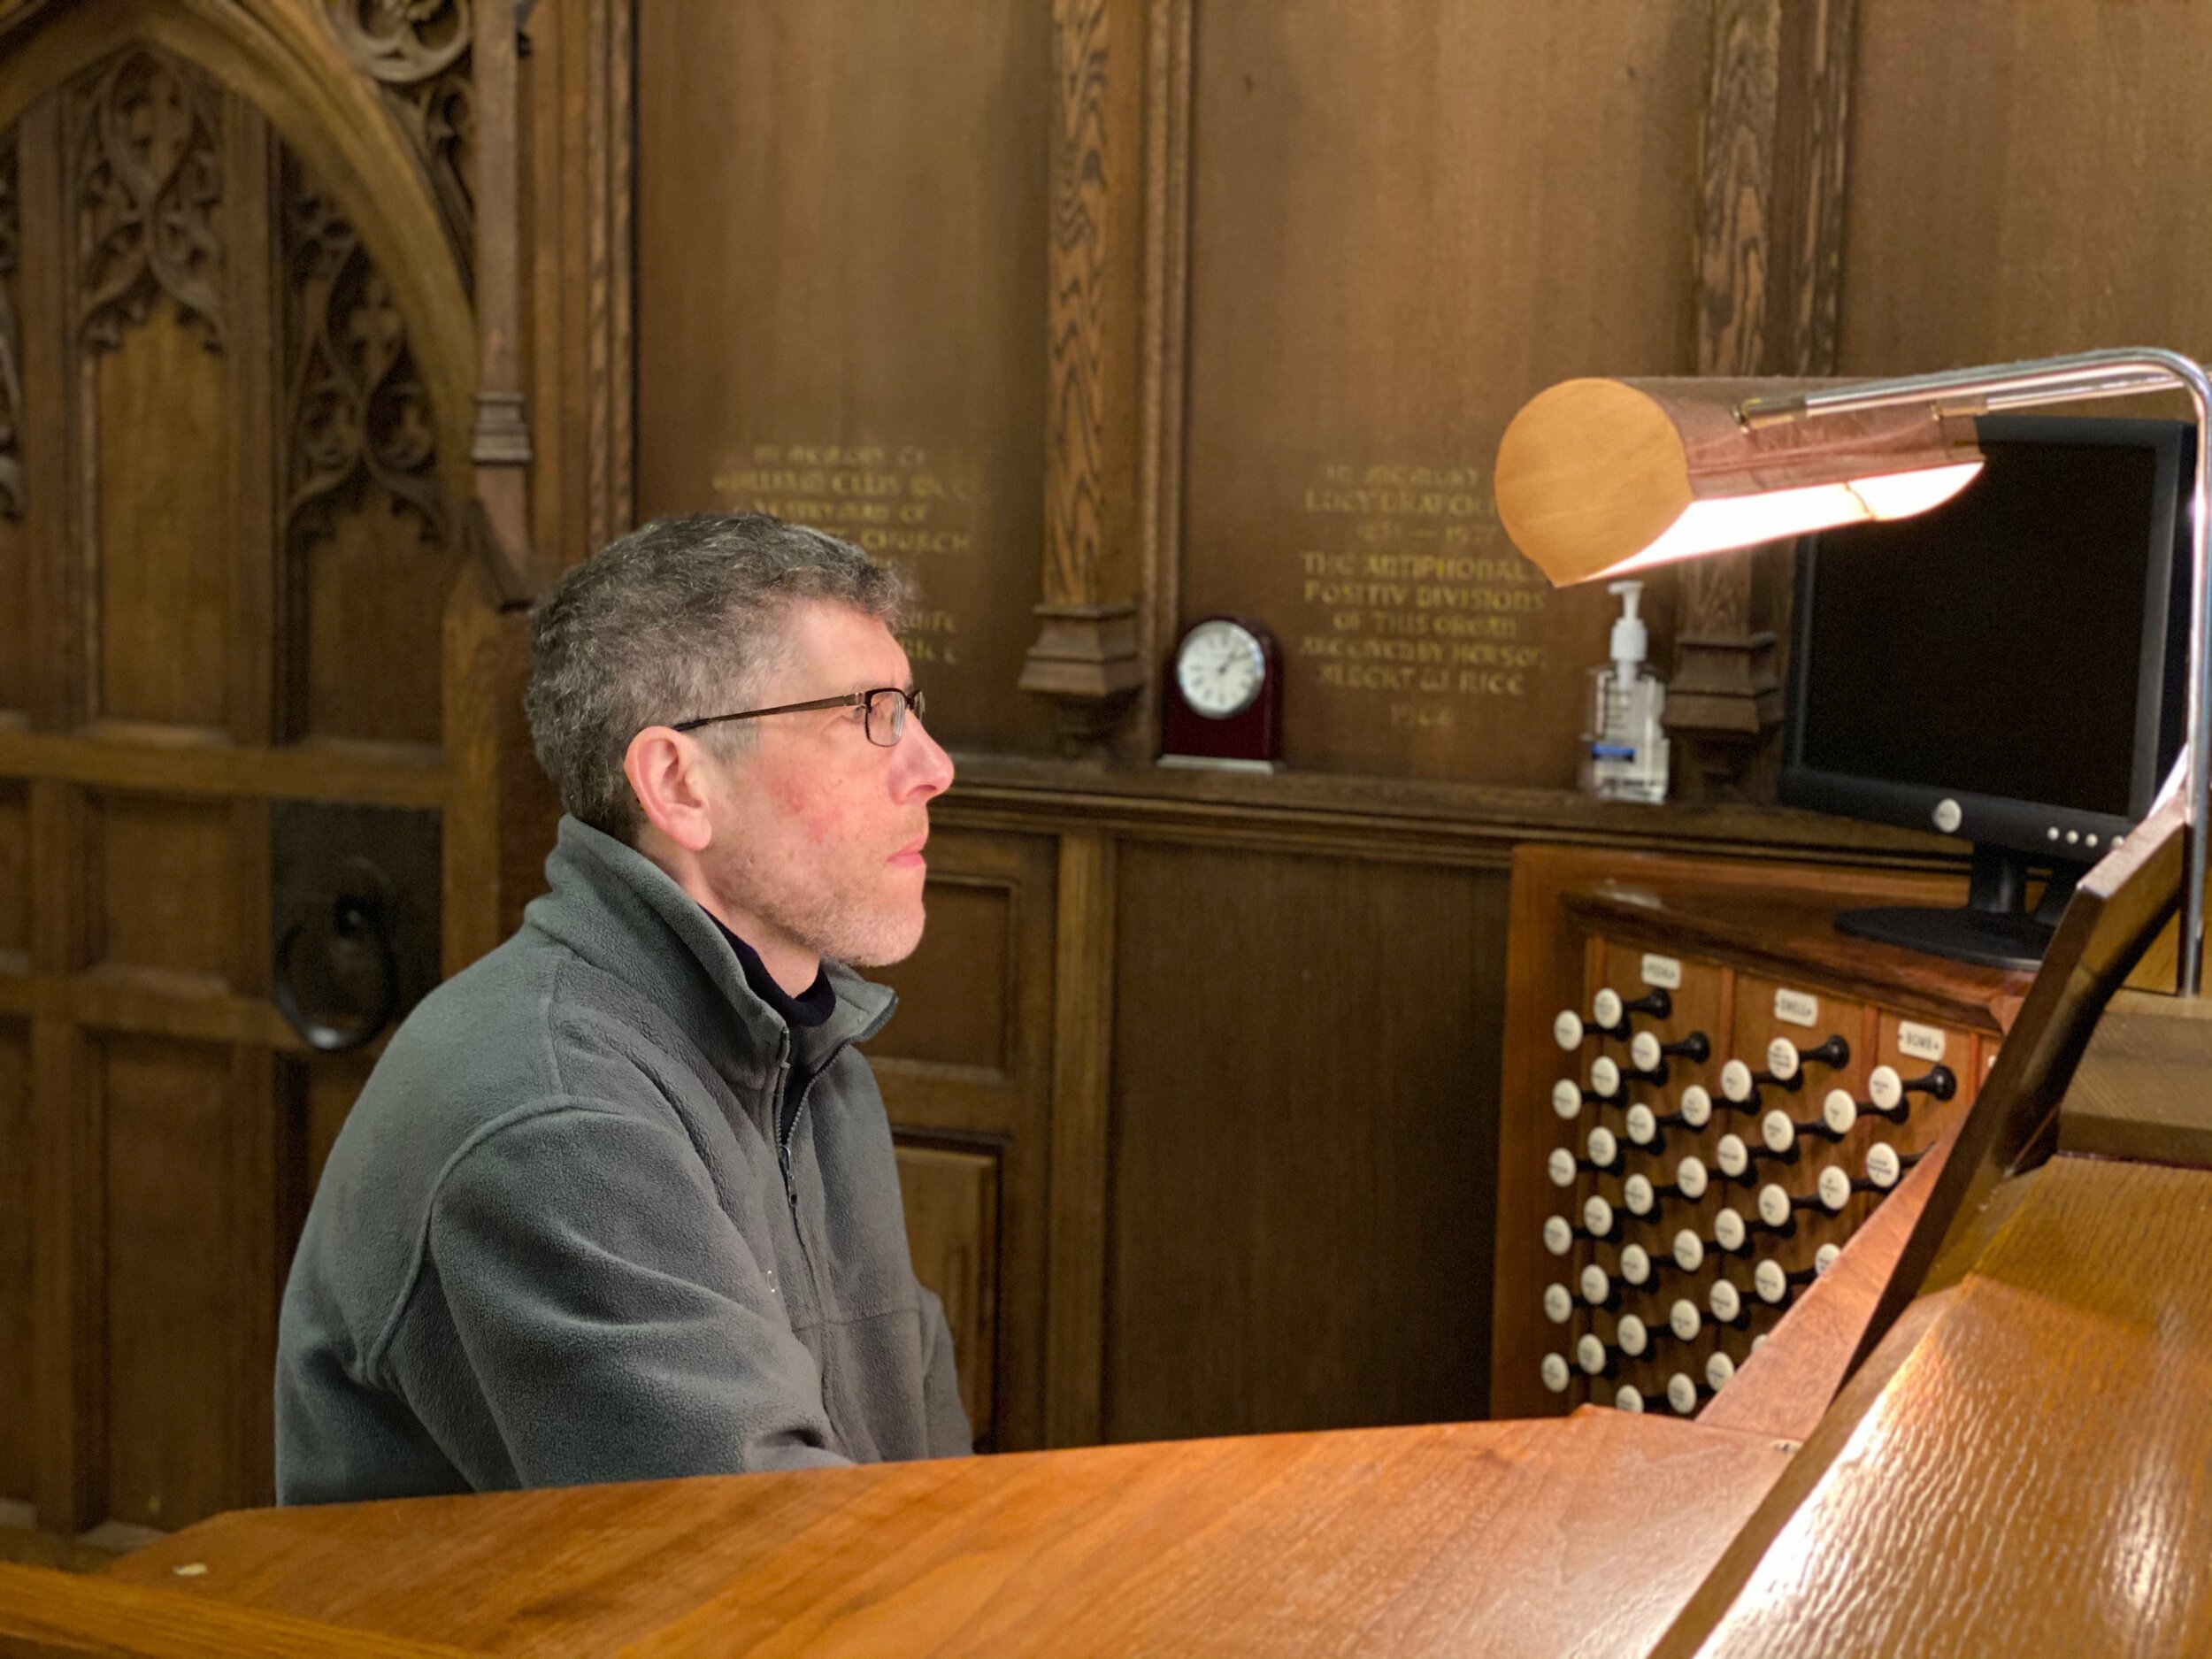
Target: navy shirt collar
<point>811,1007</point>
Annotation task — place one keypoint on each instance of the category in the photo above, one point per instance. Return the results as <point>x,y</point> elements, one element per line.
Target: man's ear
<point>667,772</point>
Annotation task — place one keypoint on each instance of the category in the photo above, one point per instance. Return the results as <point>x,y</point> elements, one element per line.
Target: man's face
<point>818,833</point>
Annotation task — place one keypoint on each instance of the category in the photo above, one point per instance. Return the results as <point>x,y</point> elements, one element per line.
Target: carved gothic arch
<point>284,58</point>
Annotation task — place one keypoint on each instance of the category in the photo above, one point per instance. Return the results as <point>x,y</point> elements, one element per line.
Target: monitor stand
<point>1995,929</point>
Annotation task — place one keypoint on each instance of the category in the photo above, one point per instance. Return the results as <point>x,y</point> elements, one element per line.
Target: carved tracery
<point>357,414</point>
<point>147,176</point>
<point>418,53</point>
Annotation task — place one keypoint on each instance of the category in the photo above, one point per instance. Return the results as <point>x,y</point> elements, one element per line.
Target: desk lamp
<point>1596,477</point>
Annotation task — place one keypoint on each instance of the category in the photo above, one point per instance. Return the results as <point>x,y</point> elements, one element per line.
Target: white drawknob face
<point>1774,1205</point>
<point>1603,1148</point>
<point>1597,1215</point>
<point>1682,1393</point>
<point>1642,1125</point>
<point>1559,1237</point>
<point>1689,1177</point>
<point>1697,1106</point>
<point>1607,1006</point>
<point>1777,1131</point>
<point>1835,1189</point>
<point>1643,1051</point>
<point>1559,1304</point>
<point>1555,1373</point>
<point>1728,1230</point>
<point>1605,1075</point>
<point>1636,1194</point>
<point>1839,1111</point>
<point>1720,1370</point>
<point>1560,1167</point>
<point>1770,1282</point>
<point>1596,1285</point>
<point>1566,1099</point>
<point>1689,1250</point>
<point>1636,1264</point>
<point>1824,1257</point>
<point>1883,1165</point>
<point>1631,1398</point>
<point>1884,1087</point>
<point>1735,1081</point>
<point>1723,1300</point>
<point>1732,1155</point>
<point>1685,1320</point>
<point>1566,1029</point>
<point>1631,1336</point>
<point>1590,1355</point>
<point>1781,1059</point>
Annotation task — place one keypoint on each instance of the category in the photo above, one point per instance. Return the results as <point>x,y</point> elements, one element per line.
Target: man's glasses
<point>882,712</point>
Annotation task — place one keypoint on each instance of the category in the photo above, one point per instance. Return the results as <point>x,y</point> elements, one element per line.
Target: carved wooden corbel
<point>1770,258</point>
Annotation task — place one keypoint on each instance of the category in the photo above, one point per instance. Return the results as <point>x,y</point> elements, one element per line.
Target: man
<point>618,1202</point>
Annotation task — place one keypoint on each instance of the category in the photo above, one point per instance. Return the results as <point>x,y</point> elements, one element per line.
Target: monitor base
<point>1993,929</point>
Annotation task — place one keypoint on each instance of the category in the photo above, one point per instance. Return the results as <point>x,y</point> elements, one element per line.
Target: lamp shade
<point>1596,477</point>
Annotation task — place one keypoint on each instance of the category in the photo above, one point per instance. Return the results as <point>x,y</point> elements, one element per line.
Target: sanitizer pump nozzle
<point>1624,752</point>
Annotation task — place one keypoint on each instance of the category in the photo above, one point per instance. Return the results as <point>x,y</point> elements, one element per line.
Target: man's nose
<point>923,767</point>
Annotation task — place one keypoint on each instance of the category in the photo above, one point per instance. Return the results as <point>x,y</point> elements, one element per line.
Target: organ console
<point>1745,1086</point>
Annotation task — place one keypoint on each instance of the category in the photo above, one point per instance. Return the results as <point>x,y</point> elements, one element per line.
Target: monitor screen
<point>2009,644</point>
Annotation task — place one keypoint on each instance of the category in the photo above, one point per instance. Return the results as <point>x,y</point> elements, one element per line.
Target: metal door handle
<point>351,917</point>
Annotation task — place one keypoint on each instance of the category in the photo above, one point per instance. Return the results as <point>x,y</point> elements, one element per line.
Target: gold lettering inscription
<point>1413,594</point>
<point>893,500</point>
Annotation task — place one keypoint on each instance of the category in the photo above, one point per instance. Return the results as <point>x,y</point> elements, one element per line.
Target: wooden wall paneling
<point>1302,1149</point>
<point>951,1199</point>
<point>67,1310</point>
<point>1088,659</point>
<point>57,689</point>
<point>168,877</point>
<point>500,811</point>
<point>1166,386</point>
<point>251,214</point>
<point>366,540</point>
<point>2070,135</point>
<point>841,225</point>
<point>171,1372</point>
<point>15,875</point>
<point>16,633</point>
<point>18,1255</point>
<point>1769,260</point>
<point>580,87</point>
<point>1082,1108</point>
<point>150,329</point>
<point>500,450</point>
<point>954,1084</point>
<point>1384,265</point>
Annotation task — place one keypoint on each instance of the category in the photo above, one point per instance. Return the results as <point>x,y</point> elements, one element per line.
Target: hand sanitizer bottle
<point>1624,752</point>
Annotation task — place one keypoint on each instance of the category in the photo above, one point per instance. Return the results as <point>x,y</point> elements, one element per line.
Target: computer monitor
<point>2008,668</point>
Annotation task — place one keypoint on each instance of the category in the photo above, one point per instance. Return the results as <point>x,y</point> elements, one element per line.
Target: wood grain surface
<point>2143,1087</point>
<point>1505,1538</point>
<point>2033,1478</point>
<point>49,1615</point>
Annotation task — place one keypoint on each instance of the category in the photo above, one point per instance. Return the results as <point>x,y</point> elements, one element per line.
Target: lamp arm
<point>2122,372</point>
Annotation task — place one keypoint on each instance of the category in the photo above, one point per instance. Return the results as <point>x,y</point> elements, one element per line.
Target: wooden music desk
<point>1496,1538</point>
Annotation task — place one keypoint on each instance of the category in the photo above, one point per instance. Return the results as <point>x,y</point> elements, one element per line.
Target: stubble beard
<point>862,929</point>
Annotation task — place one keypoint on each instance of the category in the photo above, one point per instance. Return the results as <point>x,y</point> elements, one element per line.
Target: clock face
<point>1219,669</point>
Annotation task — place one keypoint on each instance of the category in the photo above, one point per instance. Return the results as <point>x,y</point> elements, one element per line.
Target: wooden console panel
<point>1651,1228</point>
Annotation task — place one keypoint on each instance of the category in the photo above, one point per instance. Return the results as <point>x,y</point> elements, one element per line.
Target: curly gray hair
<point>678,619</point>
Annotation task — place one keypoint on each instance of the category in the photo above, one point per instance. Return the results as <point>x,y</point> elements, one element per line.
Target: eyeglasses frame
<point>910,695</point>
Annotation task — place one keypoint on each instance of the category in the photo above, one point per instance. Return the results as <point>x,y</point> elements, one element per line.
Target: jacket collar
<point>621,912</point>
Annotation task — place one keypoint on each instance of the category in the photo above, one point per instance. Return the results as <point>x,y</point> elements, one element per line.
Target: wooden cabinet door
<point>228,587</point>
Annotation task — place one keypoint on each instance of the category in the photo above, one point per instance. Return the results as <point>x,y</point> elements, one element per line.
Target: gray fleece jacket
<point>563,1237</point>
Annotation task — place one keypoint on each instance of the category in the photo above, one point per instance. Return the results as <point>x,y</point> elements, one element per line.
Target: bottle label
<point>1664,972</point>
<point>1796,1008</point>
<point>1922,1042</point>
